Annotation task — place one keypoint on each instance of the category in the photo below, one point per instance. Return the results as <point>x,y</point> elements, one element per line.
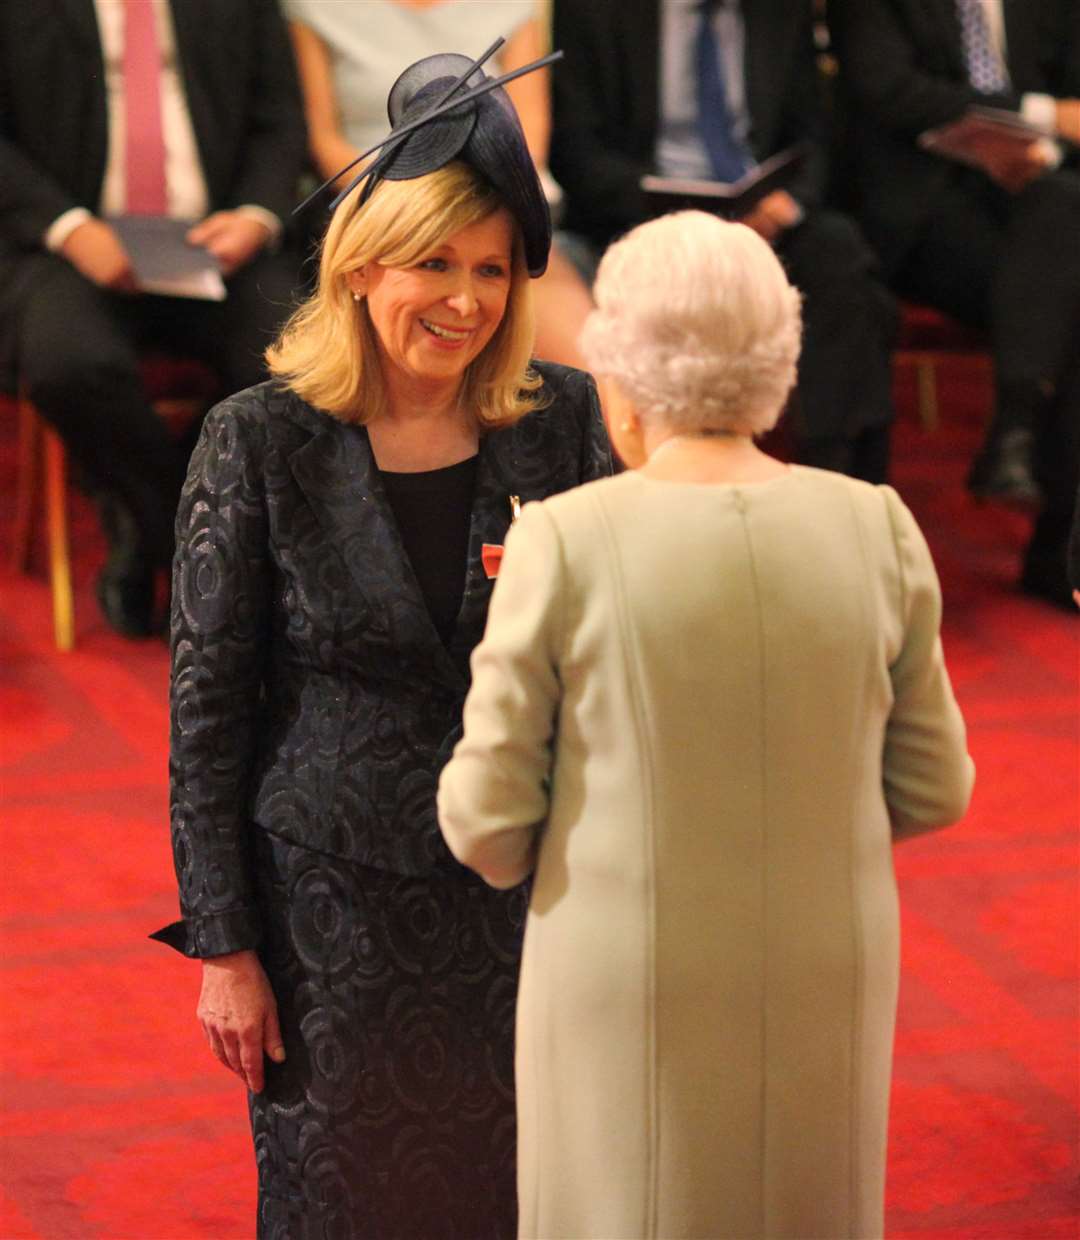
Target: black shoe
<point>127,602</point>
<point>1004,470</point>
<point>125,587</point>
<point>1044,577</point>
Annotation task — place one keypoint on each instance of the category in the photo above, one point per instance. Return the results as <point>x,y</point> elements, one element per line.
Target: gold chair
<point>927,337</point>
<point>178,389</point>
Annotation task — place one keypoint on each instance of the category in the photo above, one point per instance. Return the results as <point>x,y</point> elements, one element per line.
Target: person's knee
<point>835,242</point>
<point>68,344</point>
<point>1055,199</point>
<point>72,376</point>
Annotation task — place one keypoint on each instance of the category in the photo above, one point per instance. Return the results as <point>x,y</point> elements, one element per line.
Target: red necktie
<point>145,153</point>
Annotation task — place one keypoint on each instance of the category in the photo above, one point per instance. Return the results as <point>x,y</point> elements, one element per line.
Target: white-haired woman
<point>710,695</point>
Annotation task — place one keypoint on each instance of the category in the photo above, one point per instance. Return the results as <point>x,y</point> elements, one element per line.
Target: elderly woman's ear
<point>623,423</point>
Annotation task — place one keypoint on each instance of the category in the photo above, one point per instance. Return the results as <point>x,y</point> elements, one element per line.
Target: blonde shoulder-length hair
<point>327,351</point>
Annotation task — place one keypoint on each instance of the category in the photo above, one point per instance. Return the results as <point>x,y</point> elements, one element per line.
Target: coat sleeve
<point>928,774</point>
<point>221,577</point>
<point>493,797</point>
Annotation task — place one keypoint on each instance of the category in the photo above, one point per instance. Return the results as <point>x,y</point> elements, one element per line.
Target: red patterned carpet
<point>119,1125</point>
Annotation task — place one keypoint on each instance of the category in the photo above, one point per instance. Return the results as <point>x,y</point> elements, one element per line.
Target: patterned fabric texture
<point>313,707</point>
<point>393,1115</point>
<point>311,694</point>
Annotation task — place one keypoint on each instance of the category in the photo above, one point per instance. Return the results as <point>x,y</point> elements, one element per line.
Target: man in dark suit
<point>186,109</point>
<point>630,99</point>
<point>996,244</point>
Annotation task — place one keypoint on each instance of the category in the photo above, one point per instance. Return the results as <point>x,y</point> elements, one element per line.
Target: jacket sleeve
<point>221,578</point>
<point>493,795</point>
<point>928,774</point>
<point>30,200</point>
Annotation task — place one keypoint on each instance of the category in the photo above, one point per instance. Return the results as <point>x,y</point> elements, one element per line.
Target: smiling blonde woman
<point>335,543</point>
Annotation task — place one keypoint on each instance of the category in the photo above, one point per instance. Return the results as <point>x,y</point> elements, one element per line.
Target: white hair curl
<point>697,323</point>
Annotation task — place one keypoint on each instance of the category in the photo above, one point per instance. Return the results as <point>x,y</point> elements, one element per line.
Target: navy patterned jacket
<point>311,694</point>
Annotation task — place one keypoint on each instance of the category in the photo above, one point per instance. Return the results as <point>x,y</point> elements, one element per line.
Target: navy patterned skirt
<point>393,1115</point>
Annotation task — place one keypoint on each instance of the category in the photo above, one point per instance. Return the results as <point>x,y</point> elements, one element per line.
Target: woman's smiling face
<point>434,318</point>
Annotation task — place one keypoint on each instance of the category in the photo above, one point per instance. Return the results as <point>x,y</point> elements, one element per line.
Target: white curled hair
<point>697,323</point>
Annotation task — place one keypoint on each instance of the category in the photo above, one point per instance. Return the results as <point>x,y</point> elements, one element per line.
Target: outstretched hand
<point>238,1013</point>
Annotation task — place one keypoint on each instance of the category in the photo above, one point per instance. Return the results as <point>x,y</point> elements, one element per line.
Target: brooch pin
<point>491,553</point>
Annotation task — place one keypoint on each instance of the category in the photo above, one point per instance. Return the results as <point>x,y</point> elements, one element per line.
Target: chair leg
<point>59,550</point>
<point>926,382</point>
<point>28,470</point>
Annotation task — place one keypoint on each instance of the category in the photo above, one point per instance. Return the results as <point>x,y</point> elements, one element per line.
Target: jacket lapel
<point>517,462</point>
<point>942,15</point>
<point>488,525</point>
<point>634,39</point>
<point>80,16</point>
<point>336,471</point>
<point>77,26</point>
<point>763,92</point>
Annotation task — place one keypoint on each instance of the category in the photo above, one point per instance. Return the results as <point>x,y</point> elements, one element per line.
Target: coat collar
<point>335,469</point>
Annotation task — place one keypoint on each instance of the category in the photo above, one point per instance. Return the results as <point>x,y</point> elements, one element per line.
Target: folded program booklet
<point>731,199</point>
<point>980,132</point>
<point>164,261</point>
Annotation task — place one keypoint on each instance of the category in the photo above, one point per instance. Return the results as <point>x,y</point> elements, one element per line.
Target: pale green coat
<point>698,706</point>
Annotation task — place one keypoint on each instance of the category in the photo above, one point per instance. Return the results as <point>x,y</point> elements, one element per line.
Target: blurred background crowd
<point>221,114</point>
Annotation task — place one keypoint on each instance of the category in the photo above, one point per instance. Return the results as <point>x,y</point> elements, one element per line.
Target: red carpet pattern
<point>119,1124</point>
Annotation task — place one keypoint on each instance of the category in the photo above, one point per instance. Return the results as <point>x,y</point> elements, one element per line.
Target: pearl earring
<point>356,296</point>
<point>626,427</point>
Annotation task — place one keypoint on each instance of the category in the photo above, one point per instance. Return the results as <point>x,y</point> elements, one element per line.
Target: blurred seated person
<point>685,90</point>
<point>128,107</point>
<point>350,55</point>
<point>995,244</point>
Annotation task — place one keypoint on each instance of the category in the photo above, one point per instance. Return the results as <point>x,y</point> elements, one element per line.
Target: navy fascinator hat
<point>444,108</point>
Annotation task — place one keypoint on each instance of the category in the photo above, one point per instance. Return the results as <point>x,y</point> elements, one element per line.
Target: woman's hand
<point>238,1014</point>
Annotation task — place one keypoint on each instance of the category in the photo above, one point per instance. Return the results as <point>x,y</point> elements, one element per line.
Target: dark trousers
<point>1010,265</point>
<point>77,349</point>
<point>842,408</point>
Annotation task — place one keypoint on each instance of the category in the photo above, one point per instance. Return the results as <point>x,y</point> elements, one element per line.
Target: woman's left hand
<point>238,1013</point>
